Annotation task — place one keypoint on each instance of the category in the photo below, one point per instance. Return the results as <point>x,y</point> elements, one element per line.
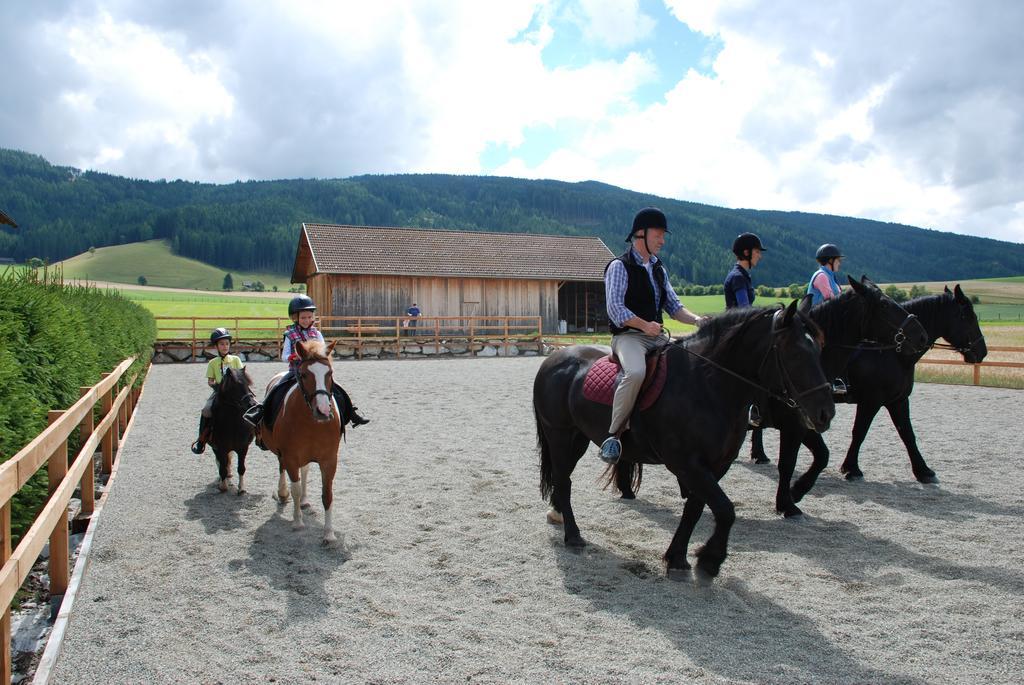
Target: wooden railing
<point>976,375</point>
<point>356,331</point>
<point>51,447</point>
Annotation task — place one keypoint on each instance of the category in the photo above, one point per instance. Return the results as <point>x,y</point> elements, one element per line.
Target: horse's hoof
<point>222,486</point>
<point>854,475</point>
<point>328,541</point>
<point>794,514</point>
<point>555,518</point>
<point>628,495</point>
<point>575,542</point>
<point>298,526</point>
<point>305,506</point>
<point>928,479</point>
<point>242,492</point>
<point>679,574</point>
<point>760,459</point>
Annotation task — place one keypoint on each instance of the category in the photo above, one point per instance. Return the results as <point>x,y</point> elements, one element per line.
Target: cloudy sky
<point>907,111</point>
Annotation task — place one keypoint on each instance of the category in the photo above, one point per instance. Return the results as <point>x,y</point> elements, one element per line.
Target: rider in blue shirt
<point>739,289</point>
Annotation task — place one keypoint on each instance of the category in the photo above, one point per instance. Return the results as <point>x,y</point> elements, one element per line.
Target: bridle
<point>311,398</point>
<point>788,395</point>
<point>249,398</point>
<point>899,337</point>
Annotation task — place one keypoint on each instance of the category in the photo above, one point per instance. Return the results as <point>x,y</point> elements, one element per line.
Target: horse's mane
<point>833,316</point>
<point>721,331</point>
<point>315,349</point>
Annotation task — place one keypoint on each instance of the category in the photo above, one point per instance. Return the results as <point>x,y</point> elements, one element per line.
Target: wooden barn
<point>380,271</point>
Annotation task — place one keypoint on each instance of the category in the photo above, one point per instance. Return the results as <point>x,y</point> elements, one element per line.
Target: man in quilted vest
<point>637,291</point>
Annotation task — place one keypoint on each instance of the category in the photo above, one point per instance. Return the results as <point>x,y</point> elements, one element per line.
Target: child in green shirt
<point>221,339</point>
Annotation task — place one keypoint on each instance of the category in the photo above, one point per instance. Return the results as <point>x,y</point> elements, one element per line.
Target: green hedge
<point>57,338</point>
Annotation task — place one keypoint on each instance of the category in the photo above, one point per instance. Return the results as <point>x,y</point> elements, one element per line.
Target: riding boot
<point>199,446</point>
<point>348,411</point>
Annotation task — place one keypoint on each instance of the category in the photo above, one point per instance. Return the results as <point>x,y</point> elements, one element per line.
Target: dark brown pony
<point>229,434</point>
<point>307,430</point>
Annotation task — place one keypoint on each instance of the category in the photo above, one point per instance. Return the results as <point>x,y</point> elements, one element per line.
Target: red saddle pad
<point>603,377</point>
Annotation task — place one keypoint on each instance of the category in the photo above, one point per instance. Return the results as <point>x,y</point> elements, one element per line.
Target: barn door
<point>471,296</point>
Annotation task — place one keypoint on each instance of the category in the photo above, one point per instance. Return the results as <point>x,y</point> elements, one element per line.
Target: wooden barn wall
<point>392,295</point>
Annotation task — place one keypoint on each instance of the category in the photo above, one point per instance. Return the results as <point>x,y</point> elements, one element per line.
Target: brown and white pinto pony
<point>307,430</point>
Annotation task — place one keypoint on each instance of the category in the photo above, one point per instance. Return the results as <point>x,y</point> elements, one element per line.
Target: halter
<point>962,350</point>
<point>789,395</point>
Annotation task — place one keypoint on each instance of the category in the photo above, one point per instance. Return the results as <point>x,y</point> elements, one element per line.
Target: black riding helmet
<point>301,303</point>
<point>219,334</point>
<point>649,217</point>
<point>744,242</point>
<point>826,252</point>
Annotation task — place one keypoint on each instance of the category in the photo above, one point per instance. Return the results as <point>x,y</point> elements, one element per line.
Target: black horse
<point>862,317</point>
<point>696,426</point>
<point>883,378</point>
<point>229,433</point>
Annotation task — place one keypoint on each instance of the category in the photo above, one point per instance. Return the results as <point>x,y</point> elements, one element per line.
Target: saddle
<point>603,377</point>
<point>272,405</point>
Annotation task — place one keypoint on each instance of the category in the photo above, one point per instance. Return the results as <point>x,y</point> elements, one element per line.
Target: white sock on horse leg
<point>329,535</point>
<point>297,508</point>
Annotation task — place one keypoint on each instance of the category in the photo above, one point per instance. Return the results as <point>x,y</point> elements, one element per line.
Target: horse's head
<point>236,389</point>
<point>886,322</point>
<point>316,377</point>
<point>791,367</point>
<point>959,325</point>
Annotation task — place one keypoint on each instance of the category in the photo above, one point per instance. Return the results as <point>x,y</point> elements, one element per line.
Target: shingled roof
<point>333,249</point>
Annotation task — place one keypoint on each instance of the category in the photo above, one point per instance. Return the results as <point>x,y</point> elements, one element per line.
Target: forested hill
<point>254,226</point>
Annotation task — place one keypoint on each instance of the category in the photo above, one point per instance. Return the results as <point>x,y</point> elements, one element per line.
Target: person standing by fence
<point>414,312</point>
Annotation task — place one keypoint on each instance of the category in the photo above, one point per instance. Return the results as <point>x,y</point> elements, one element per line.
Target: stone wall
<point>177,352</point>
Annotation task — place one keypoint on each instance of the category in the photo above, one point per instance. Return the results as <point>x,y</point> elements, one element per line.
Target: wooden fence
<point>51,447</point>
<point>976,375</point>
<point>358,332</point>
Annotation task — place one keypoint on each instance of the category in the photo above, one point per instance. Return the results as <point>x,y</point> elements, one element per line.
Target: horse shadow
<point>840,547</point>
<point>712,623</point>
<point>294,563</point>
<point>220,511</point>
<point>908,497</point>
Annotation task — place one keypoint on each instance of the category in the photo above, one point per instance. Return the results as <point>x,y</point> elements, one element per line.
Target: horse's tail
<point>546,486</point>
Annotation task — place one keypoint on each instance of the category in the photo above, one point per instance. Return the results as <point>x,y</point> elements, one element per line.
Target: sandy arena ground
<point>449,572</point>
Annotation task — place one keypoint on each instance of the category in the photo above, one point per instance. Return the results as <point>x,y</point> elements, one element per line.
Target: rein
<point>791,401</point>
<point>961,350</point>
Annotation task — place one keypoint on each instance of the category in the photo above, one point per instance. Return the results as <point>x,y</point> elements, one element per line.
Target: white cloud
<point>911,112</point>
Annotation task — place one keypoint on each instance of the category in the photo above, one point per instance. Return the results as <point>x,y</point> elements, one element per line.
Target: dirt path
<point>449,572</point>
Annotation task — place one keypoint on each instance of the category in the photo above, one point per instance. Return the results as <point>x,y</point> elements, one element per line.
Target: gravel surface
<point>449,572</point>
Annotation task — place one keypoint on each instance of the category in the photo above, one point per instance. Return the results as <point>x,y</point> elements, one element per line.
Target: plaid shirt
<point>293,334</point>
<point>615,282</point>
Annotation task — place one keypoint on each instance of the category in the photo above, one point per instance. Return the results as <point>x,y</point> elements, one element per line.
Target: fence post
<point>437,334</point>
<point>88,478</point>
<point>57,469</point>
<point>398,337</point>
<point>107,442</point>
<point>5,623</point>
<point>977,374</point>
<point>505,344</point>
<point>193,338</point>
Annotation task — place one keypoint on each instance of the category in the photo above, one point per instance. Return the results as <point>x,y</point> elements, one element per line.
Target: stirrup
<point>754,416</point>
<point>611,450</point>
<point>253,415</point>
<point>838,386</point>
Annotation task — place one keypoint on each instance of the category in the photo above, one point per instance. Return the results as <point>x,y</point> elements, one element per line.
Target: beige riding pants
<point>631,348</point>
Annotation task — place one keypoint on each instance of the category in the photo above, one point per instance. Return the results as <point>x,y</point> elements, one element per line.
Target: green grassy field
<point>154,260</point>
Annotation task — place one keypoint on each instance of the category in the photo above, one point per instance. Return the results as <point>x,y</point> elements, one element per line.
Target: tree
<point>92,250</point>
<point>895,293</point>
<point>917,291</point>
<point>258,286</point>
<point>796,290</point>
<point>275,288</point>
<point>765,291</point>
<point>229,284</point>
<point>142,280</point>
